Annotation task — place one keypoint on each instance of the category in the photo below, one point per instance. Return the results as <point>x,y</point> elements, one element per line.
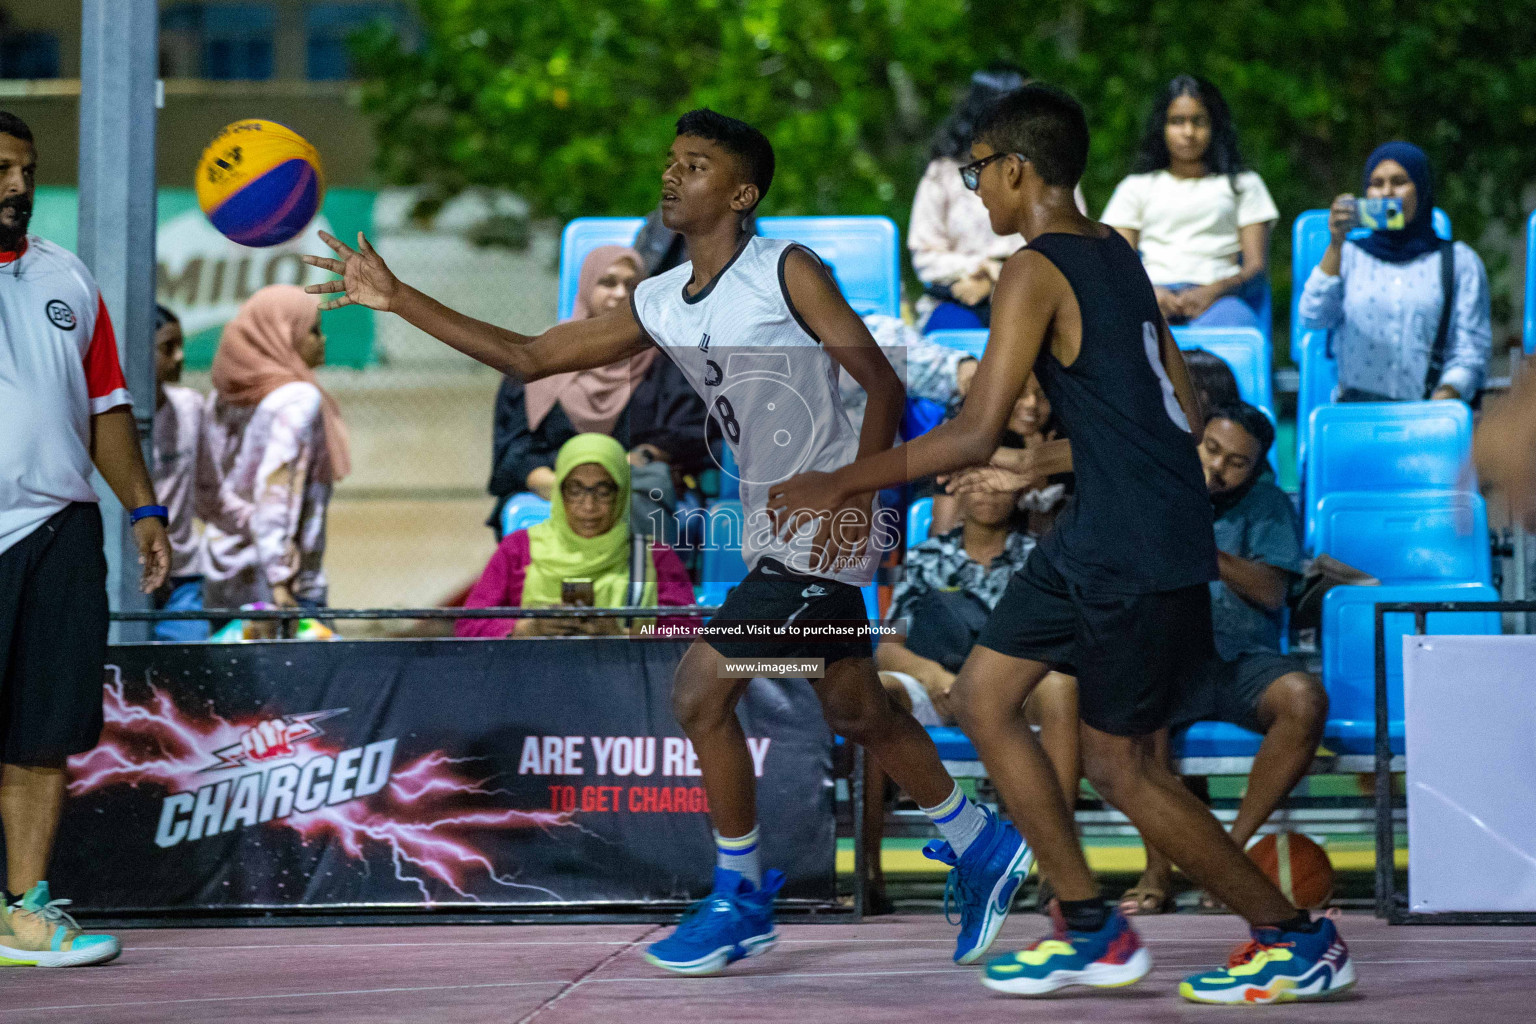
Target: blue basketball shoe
<point>733,922</point>
<point>1111,957</point>
<point>1278,967</point>
<point>983,882</point>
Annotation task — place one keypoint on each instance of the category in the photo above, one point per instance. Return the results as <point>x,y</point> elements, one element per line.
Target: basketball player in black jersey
<point>717,171</point>
<point>1117,592</point>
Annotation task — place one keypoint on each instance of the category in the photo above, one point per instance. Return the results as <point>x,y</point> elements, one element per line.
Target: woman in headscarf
<point>275,447</point>
<point>644,402</point>
<point>587,538</point>
<point>1385,295</point>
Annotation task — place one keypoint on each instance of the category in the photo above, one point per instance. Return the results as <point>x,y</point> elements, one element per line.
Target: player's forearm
<point>882,418</point>
<point>944,449</point>
<point>116,453</point>
<point>1255,582</point>
<point>494,346</point>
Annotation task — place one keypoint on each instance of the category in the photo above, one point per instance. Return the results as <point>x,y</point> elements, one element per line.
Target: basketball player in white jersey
<point>761,331</point>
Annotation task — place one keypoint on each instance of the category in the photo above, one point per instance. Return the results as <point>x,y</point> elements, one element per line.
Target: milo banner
<point>400,773</point>
<point>204,277</point>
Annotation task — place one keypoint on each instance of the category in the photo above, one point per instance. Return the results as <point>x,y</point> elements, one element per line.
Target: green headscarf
<point>559,553</point>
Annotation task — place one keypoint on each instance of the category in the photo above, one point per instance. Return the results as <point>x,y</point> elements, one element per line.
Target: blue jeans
<point>186,596</point>
<point>951,316</point>
<point>1240,309</point>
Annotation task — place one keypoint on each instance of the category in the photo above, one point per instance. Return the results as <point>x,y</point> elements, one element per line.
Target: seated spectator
<point>955,253</point>
<point>950,584</point>
<point>1411,312</point>
<point>644,402</point>
<point>1200,221</point>
<point>935,375</point>
<point>1043,471</point>
<point>178,433</point>
<point>1250,683</point>
<point>588,536</point>
<point>274,447</point>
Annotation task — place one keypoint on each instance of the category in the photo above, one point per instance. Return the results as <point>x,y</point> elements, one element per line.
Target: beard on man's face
<point>15,217</point>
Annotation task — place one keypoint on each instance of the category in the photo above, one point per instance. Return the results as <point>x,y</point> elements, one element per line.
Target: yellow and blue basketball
<point>259,183</point>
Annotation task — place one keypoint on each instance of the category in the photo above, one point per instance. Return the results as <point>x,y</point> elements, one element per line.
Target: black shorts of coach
<point>1132,654</point>
<point>53,639</point>
<point>774,597</point>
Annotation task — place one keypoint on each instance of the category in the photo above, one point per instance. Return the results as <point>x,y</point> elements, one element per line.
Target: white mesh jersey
<point>770,386</point>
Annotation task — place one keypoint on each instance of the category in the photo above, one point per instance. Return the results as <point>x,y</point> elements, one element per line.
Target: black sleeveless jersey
<point>1140,521</point>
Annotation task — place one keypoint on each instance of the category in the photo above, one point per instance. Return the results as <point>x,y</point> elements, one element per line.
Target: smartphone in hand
<point>1380,214</point>
<point>577,593</point>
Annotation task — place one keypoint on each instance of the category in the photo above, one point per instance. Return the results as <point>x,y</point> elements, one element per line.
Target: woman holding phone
<point>1410,313</point>
<point>585,555</point>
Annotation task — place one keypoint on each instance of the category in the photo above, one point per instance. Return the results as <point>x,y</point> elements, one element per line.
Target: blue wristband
<point>148,511</point>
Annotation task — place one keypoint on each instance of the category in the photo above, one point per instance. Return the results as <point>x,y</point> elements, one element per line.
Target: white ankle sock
<point>958,819</point>
<point>740,855</point>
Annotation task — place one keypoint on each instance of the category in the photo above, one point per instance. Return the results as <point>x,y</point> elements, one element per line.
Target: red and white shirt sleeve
<point>104,383</point>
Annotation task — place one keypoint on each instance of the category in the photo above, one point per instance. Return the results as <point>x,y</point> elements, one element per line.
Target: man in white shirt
<point>64,406</point>
<point>177,435</point>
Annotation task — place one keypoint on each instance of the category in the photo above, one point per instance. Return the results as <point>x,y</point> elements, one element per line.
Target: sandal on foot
<point>1145,900</point>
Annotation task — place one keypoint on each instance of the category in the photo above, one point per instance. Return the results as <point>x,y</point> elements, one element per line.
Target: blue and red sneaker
<point>1111,957</point>
<point>983,882</point>
<point>1278,967</point>
<point>733,922</point>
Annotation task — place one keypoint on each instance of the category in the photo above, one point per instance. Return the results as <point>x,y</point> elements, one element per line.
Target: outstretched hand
<point>365,279</point>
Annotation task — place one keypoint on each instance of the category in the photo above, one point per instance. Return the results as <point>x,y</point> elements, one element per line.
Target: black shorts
<point>773,596</point>
<point>53,639</point>
<point>1132,653</point>
<point>1230,691</point>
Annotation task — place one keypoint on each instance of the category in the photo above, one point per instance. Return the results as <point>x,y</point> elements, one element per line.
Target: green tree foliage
<point>571,102</point>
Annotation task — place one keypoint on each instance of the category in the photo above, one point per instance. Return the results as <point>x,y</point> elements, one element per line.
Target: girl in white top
<point>1200,221</point>
<point>276,444</point>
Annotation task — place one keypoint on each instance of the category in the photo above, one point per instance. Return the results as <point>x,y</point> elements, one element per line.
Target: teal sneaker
<point>1111,957</point>
<point>1278,967</point>
<point>37,932</point>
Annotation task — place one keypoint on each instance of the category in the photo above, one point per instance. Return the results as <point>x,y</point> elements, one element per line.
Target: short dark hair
<point>736,137</point>
<point>1212,378</point>
<point>1043,124</point>
<point>953,139</point>
<point>1251,419</point>
<point>164,316</point>
<point>10,124</point>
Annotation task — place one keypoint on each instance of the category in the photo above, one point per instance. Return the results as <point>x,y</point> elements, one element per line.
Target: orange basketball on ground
<point>1298,866</point>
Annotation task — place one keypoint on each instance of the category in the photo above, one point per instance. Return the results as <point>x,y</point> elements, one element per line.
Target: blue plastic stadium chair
<point>723,566</point>
<point>1215,739</point>
<point>973,341</point>
<point>580,237</point>
<point>522,511</point>
<point>952,743</point>
<point>919,522</point>
<point>1408,536</point>
<point>1530,285</point>
<point>1309,240</point>
<point>871,595</point>
<point>1349,654</point>
<point>1384,446</point>
<point>864,253</point>
<point>1243,349</point>
<point>730,476</point>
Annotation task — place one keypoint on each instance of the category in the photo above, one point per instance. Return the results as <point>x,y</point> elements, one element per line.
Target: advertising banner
<point>204,277</point>
<point>416,772</point>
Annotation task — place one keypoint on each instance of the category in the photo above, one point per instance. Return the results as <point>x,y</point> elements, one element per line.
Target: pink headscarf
<point>592,399</point>
<point>258,353</point>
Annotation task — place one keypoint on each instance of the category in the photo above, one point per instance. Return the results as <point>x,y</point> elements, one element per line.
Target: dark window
<point>29,55</point>
<point>219,41</point>
<point>330,24</point>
